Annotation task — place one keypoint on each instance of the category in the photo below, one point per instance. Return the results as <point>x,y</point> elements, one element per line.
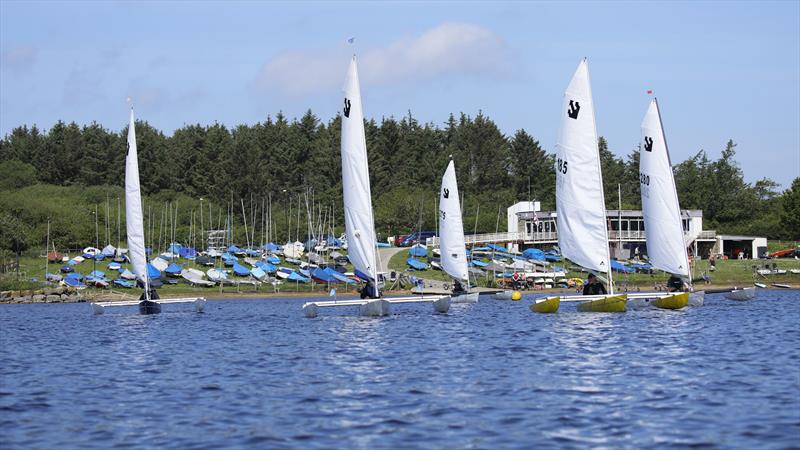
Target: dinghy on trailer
<point>580,203</point>
<point>358,214</point>
<point>149,302</point>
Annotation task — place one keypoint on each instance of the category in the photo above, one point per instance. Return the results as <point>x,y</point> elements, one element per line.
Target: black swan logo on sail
<point>446,193</point>
<point>648,144</point>
<point>574,109</point>
<point>346,107</point>
<point>127,147</point>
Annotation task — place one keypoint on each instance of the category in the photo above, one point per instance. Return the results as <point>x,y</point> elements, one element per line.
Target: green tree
<point>790,217</point>
<point>15,174</point>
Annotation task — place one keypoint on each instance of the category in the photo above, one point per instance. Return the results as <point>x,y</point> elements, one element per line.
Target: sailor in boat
<point>593,286</point>
<point>675,284</point>
<point>458,288</point>
<point>368,291</point>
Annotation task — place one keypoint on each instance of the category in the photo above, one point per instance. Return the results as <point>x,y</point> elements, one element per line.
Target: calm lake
<point>257,374</point>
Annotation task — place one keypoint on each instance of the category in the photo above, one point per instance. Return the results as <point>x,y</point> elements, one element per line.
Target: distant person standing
<point>712,261</point>
<point>593,286</point>
<point>741,254</point>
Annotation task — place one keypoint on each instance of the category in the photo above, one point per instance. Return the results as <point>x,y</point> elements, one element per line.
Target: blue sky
<point>721,70</point>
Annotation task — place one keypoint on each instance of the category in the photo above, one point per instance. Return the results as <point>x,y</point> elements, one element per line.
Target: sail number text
<point>561,166</point>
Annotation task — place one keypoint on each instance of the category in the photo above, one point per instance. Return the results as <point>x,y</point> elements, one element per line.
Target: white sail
<point>662,212</point>
<point>580,205</point>
<point>133,209</point>
<point>451,227</point>
<point>358,219</point>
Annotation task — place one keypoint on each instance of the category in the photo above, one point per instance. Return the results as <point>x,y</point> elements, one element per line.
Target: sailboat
<point>666,248</point>
<point>149,302</point>
<point>451,237</point>
<point>580,203</point>
<point>359,222</point>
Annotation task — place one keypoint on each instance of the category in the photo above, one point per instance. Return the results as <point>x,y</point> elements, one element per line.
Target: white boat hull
<point>376,308</point>
<point>742,294</point>
<point>465,298</point>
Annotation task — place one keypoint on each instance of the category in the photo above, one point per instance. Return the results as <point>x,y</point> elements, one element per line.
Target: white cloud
<point>455,49</point>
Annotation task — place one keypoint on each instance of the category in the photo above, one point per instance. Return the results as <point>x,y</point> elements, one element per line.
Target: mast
<point>46,250</point>
<point>602,193</point>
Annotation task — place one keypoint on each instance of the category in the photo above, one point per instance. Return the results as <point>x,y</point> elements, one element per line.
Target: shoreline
<point>112,297</point>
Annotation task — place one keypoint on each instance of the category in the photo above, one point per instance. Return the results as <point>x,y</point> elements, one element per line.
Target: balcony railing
<point>552,236</point>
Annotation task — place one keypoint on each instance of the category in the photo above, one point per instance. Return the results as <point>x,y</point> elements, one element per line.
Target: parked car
<point>417,238</point>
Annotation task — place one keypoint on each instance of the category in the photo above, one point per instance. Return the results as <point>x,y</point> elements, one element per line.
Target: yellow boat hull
<point>547,305</point>
<point>676,301</point>
<point>615,303</point>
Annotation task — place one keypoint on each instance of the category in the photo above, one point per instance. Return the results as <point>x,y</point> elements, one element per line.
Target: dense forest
<point>66,173</point>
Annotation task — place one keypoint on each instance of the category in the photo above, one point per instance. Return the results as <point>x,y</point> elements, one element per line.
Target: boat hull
<point>376,308</point>
<point>742,294</point>
<point>546,305</point>
<point>614,303</point>
<point>676,301</point>
<point>464,298</point>
<point>149,307</point>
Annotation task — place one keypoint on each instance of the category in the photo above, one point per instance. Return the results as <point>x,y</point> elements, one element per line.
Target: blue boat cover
<point>338,276</point>
<point>416,264</point>
<point>272,259</point>
<point>73,282</point>
<point>97,274</point>
<point>175,248</point>
<point>114,266</point>
<point>124,283</point>
<point>72,262</point>
<point>304,272</point>
<point>418,251</point>
<point>266,267</point>
<point>533,253</point>
<point>108,251</point>
<point>322,275</point>
<point>152,272</point>
<point>67,269</point>
<point>188,253</point>
<point>234,249</point>
<point>74,276</point>
<point>240,270</point>
<point>173,269</point>
<point>258,273</point>
<point>99,257</point>
<point>478,263</point>
<point>294,276</point>
<point>252,252</point>
<point>271,247</point>
<point>497,248</point>
<point>619,267</point>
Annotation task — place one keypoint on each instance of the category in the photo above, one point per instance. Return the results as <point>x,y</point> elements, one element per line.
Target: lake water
<point>257,374</point>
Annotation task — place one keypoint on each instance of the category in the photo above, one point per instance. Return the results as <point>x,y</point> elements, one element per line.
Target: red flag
<point>649,91</point>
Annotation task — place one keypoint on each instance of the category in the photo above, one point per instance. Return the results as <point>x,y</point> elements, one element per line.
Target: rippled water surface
<point>256,374</point>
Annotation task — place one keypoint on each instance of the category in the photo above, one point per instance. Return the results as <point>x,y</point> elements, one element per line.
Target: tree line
<point>65,171</point>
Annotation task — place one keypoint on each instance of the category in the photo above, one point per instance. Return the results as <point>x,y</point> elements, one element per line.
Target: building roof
<point>738,237</point>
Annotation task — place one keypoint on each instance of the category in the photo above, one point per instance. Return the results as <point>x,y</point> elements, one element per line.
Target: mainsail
<point>451,227</point>
<point>662,213</point>
<point>133,211</point>
<point>580,204</point>
<point>358,219</point>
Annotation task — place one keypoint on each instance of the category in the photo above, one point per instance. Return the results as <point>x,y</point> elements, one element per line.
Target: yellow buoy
<point>516,296</point>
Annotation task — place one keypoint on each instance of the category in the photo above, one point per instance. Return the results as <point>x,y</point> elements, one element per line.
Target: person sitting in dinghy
<point>368,291</point>
<point>458,288</point>
<point>675,284</point>
<point>593,286</point>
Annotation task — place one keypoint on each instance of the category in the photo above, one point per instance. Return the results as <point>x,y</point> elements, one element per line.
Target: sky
<point>721,70</point>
